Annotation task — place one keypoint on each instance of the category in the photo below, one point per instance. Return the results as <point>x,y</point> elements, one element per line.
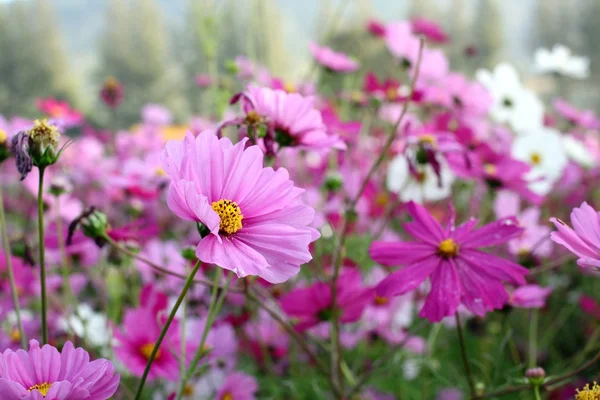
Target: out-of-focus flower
<point>47,373</point>
<point>238,386</point>
<point>562,61</point>
<point>254,221</point>
<point>60,111</point>
<point>584,241</point>
<point>376,28</point>
<point>513,104</point>
<point>156,115</point>
<point>585,118</point>
<point>449,394</point>
<point>459,272</point>
<point>588,393</point>
<point>419,182</point>
<point>455,92</point>
<point>4,146</point>
<point>90,325</point>
<point>530,296</point>
<point>312,305</point>
<point>332,60</point>
<point>203,80</point>
<point>430,29</point>
<point>112,92</point>
<point>544,151</point>
<point>577,151</point>
<point>401,42</point>
<point>590,306</point>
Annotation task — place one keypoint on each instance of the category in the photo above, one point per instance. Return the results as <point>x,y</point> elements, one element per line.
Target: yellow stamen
<point>428,139</point>
<point>15,335</point>
<point>381,301</point>
<point>253,117</point>
<point>289,87</point>
<point>490,169</point>
<point>448,248</point>
<point>382,199</point>
<point>146,351</point>
<point>227,396</point>
<point>3,136</point>
<point>43,388</point>
<point>44,133</point>
<point>535,158</point>
<point>160,172</point>
<point>391,94</point>
<point>587,393</point>
<point>188,390</point>
<point>230,214</point>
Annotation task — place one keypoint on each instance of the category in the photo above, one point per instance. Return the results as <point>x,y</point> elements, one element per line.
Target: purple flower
<point>46,373</point>
<point>459,272</point>
<point>20,148</point>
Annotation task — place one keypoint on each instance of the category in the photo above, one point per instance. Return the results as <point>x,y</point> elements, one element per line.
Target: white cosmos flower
<point>513,103</point>
<point>577,151</point>
<point>560,60</point>
<point>408,187</point>
<point>544,151</point>
<point>90,325</point>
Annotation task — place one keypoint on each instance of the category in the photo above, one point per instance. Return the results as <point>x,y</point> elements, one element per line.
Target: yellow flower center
<point>428,139</point>
<point>42,388</point>
<point>15,335</point>
<point>188,390</point>
<point>535,158</point>
<point>381,301</point>
<point>160,172</point>
<point>391,94</point>
<point>253,117</point>
<point>382,199</point>
<point>44,133</point>
<point>227,396</point>
<point>448,248</point>
<point>146,351</point>
<point>230,214</point>
<point>289,87</point>
<point>3,136</point>
<point>111,83</point>
<point>587,393</point>
<point>490,169</point>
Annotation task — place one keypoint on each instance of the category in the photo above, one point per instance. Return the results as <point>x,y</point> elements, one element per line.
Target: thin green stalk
<point>64,260</point>
<point>463,351</point>
<point>213,310</point>
<point>536,392</point>
<point>11,274</point>
<point>42,248</point>
<point>163,333</point>
<point>183,340</point>
<point>533,333</point>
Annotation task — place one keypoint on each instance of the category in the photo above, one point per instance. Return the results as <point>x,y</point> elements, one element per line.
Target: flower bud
<point>189,253</point>
<point>112,92</point>
<point>94,224</point>
<point>60,185</point>
<point>333,182</point>
<point>535,376</point>
<point>44,140</point>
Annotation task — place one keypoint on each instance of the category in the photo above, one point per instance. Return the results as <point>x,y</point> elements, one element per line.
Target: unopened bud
<point>60,185</point>
<point>94,225</point>
<point>333,182</point>
<point>535,376</point>
<point>189,253</point>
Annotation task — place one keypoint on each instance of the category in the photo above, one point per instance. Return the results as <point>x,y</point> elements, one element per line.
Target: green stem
<point>42,256</point>
<point>163,333</point>
<point>64,260</point>
<point>213,310</point>
<point>533,329</point>
<point>463,351</point>
<point>536,392</point>
<point>11,274</point>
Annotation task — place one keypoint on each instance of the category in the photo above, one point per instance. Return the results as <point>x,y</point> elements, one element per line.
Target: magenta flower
<point>140,331</point>
<point>332,60</point>
<point>376,28</point>
<point>60,111</point>
<point>429,29</point>
<point>530,296</point>
<point>46,373</point>
<point>584,241</point>
<point>292,118</point>
<point>238,386</point>
<point>459,272</point>
<point>254,221</point>
<point>313,305</point>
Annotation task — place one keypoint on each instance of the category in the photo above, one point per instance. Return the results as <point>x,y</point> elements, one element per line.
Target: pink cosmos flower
<point>60,111</point>
<point>238,386</point>
<point>312,305</point>
<point>140,331</point>
<point>401,42</point>
<point>459,272</point>
<point>332,60</point>
<point>46,373</point>
<point>590,306</point>
<point>292,118</point>
<point>254,221</point>
<point>457,93</point>
<point>376,28</point>
<point>584,241</point>
<point>586,118</point>
<point>429,29</point>
<point>530,296</point>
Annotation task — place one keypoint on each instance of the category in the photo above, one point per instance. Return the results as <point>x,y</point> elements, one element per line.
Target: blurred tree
<point>33,61</point>
<point>488,32</point>
<point>134,48</point>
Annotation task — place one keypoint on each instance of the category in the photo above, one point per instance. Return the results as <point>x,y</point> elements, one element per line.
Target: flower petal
<point>446,292</point>
<point>406,279</point>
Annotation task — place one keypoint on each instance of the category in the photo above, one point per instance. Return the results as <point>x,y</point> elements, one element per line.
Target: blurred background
<point>157,48</point>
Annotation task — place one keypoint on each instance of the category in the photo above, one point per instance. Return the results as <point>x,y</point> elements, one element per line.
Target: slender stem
<point>213,310</point>
<point>463,351</point>
<point>533,333</point>
<point>42,248</point>
<point>183,343</point>
<point>11,274</point>
<point>163,333</point>
<point>336,353</point>
<point>536,392</point>
<point>65,265</point>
